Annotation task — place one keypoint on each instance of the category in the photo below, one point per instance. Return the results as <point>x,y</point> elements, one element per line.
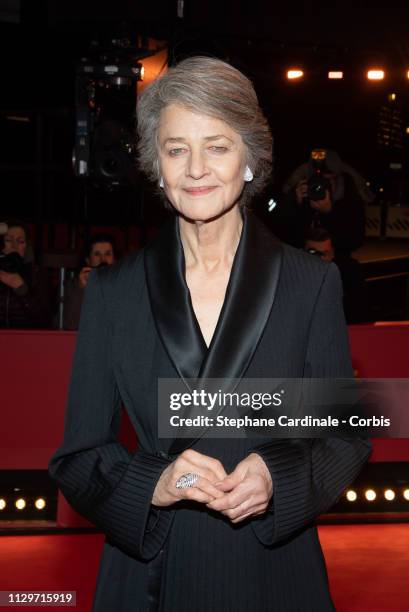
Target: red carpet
<point>368,566</point>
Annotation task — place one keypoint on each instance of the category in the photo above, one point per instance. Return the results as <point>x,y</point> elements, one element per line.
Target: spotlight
<point>351,496</point>
<point>392,97</point>
<point>407,74</point>
<point>406,494</point>
<point>295,73</point>
<point>335,74</point>
<point>375,75</point>
<point>2,504</point>
<point>40,503</point>
<point>370,495</point>
<point>389,494</point>
<point>20,503</point>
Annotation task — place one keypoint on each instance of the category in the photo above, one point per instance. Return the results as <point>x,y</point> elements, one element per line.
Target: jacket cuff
<point>125,514</point>
<point>286,462</point>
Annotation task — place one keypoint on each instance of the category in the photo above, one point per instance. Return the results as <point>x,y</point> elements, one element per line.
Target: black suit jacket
<point>282,317</point>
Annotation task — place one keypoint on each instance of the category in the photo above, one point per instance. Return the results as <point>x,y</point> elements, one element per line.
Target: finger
<point>229,500</point>
<point>195,494</point>
<point>256,511</point>
<point>244,508</point>
<point>202,484</point>
<point>207,487</point>
<point>202,472</point>
<point>204,461</point>
<point>228,483</point>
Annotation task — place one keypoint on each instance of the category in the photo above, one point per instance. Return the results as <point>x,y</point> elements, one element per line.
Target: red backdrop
<point>35,369</point>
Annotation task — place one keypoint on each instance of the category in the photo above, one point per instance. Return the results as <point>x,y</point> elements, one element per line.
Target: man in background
<point>100,251</point>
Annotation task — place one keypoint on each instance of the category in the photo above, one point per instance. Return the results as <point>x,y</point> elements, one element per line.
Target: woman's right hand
<point>210,470</point>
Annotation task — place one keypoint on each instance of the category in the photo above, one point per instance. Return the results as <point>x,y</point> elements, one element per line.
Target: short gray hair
<point>211,87</point>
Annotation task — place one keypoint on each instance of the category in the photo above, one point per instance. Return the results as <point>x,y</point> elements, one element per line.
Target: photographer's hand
<point>322,206</point>
<point>12,280</point>
<point>83,276</point>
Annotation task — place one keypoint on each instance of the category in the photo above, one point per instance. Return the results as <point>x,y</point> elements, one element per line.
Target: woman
<point>205,524</point>
<point>23,302</point>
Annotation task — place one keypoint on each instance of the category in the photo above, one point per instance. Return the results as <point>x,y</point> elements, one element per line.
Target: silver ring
<point>186,481</point>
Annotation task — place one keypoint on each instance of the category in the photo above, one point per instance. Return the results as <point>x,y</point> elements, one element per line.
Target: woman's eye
<point>218,149</point>
<point>176,152</point>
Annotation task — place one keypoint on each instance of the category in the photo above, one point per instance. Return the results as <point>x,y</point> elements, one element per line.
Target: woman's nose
<point>196,165</point>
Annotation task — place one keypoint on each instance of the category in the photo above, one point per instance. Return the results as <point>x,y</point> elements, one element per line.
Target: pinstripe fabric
<point>270,563</point>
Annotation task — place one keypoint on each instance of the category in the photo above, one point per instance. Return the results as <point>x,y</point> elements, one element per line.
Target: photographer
<point>325,192</point>
<point>100,251</point>
<point>23,303</point>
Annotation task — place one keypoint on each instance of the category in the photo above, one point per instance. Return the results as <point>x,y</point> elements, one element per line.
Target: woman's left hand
<point>12,280</point>
<point>248,490</point>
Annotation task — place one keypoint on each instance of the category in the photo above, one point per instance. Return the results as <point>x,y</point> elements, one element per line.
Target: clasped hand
<point>243,493</point>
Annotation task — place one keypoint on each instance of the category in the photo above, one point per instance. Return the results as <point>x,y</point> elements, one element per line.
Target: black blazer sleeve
<point>309,475</point>
<point>98,476</point>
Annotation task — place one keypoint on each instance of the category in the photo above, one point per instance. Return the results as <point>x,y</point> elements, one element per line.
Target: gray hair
<point>212,87</point>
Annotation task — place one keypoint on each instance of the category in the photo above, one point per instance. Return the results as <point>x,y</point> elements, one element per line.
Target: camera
<point>103,264</point>
<point>12,263</point>
<point>318,184</point>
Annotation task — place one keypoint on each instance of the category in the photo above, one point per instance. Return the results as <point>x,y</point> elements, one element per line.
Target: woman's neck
<point>211,244</point>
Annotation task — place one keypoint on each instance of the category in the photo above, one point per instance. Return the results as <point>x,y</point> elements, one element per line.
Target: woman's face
<point>202,161</point>
<point>15,241</point>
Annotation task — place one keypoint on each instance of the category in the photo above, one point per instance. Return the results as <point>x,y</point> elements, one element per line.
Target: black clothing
<point>282,317</point>
<point>345,222</point>
<point>27,306</point>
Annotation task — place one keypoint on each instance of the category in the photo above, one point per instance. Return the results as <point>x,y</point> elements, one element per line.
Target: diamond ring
<point>186,481</point>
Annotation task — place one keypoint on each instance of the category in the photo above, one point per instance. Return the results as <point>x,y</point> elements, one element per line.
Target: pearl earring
<point>248,175</point>
<point>161,183</point>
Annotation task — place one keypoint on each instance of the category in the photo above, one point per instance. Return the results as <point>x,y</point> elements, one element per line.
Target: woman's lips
<point>197,191</point>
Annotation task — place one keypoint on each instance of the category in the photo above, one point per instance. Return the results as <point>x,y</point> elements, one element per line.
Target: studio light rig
<point>104,150</point>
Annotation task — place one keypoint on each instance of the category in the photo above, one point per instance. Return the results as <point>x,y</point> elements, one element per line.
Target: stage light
<point>3,504</point>
<point>20,503</point>
<point>295,73</point>
<point>271,204</point>
<point>375,75</point>
<point>407,130</point>
<point>351,496</point>
<point>406,494</point>
<point>407,74</point>
<point>392,97</point>
<point>335,74</point>
<point>389,494</point>
<point>40,503</point>
<point>370,495</point>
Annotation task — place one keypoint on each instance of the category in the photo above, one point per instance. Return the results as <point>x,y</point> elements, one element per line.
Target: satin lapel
<point>171,303</point>
<point>249,298</point>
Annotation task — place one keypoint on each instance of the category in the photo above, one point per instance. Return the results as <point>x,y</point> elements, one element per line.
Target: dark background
<point>41,42</point>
